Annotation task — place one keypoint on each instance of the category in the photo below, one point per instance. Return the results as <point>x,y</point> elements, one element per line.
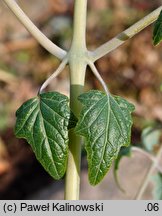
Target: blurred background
<point>133,71</point>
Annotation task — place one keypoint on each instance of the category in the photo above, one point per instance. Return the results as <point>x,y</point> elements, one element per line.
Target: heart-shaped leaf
<point>105,122</point>
<point>43,121</point>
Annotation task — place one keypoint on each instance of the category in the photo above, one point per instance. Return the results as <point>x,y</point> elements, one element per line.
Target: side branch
<point>125,35</point>
<point>149,156</point>
<point>148,175</point>
<point>39,36</point>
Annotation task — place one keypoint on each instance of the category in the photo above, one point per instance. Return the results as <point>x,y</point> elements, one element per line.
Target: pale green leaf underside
<point>157,33</point>
<point>150,137</point>
<point>105,122</point>
<point>43,121</point>
<point>157,192</point>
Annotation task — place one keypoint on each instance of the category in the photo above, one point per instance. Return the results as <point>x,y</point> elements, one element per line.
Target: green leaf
<point>150,137</point>
<point>105,122</point>
<point>157,181</point>
<point>124,152</point>
<point>43,121</point>
<point>157,32</point>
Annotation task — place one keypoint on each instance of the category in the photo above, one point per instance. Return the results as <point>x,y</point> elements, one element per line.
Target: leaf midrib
<point>105,141</point>
<point>57,173</point>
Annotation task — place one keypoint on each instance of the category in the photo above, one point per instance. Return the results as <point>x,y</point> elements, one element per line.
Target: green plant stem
<point>54,75</point>
<point>37,34</point>
<point>72,184</point>
<point>78,63</point>
<point>78,57</point>
<point>125,35</point>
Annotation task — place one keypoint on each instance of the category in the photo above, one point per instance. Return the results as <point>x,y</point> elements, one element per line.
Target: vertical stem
<point>72,184</point>
<point>80,14</point>
<point>77,63</point>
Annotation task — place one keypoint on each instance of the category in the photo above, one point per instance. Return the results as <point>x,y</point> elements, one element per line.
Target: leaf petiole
<point>98,76</point>
<point>54,75</point>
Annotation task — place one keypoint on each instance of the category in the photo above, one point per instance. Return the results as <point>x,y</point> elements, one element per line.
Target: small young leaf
<point>43,121</point>
<point>124,151</point>
<point>157,33</point>
<point>157,181</point>
<point>105,122</point>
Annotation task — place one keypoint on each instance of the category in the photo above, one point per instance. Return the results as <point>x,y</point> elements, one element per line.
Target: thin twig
<point>54,75</point>
<point>39,36</point>
<point>96,73</point>
<point>149,156</point>
<point>148,175</point>
<point>125,35</point>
